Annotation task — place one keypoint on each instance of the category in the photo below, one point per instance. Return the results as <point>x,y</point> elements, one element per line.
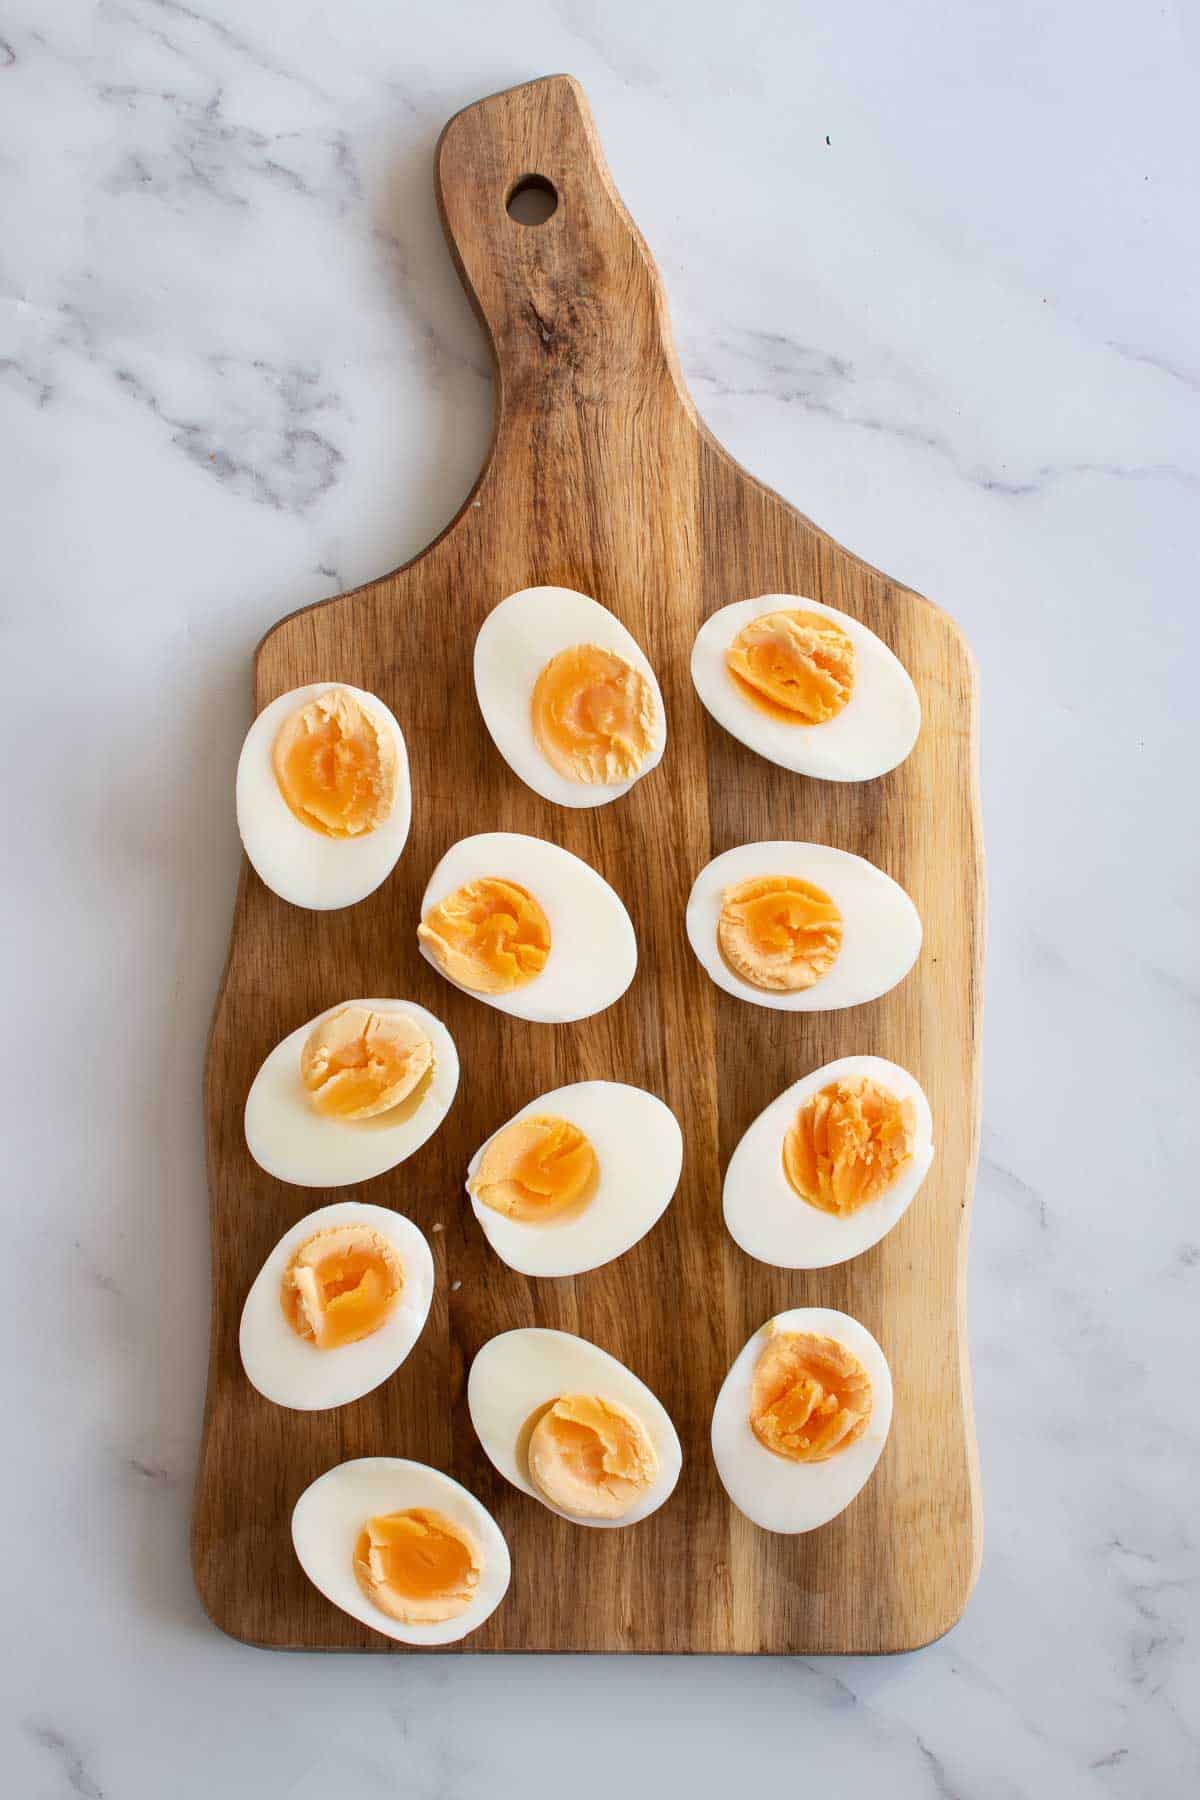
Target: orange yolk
<point>848,1144</point>
<point>809,1397</point>
<point>341,1285</point>
<point>593,715</point>
<point>536,1168</point>
<point>590,1457</point>
<point>490,936</point>
<point>336,766</point>
<point>779,932</point>
<point>797,666</point>
<point>358,1063</point>
<point>417,1566</point>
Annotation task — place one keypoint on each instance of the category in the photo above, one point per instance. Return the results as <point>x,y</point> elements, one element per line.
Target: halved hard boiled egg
<point>801,927</point>
<point>828,1168</point>
<point>352,1093</point>
<point>526,927</point>
<point>323,795</point>
<point>572,1427</point>
<point>807,687</point>
<point>570,700</point>
<point>336,1307</point>
<point>402,1548</point>
<point>801,1419</point>
<point>576,1177</point>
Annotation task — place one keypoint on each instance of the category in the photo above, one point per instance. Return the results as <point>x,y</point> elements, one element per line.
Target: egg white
<point>299,864</point>
<point>291,1140</point>
<point>772,1492</point>
<point>519,1371</point>
<point>769,1220</point>
<point>874,731</point>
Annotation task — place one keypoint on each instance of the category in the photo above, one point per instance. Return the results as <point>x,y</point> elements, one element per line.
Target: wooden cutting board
<point>601,477</point>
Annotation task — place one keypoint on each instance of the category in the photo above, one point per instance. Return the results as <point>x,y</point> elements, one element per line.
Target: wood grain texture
<point>602,478</point>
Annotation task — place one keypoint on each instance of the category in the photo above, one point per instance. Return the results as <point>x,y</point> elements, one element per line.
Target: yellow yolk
<point>809,1397</point>
<point>358,1063</point>
<point>590,1457</point>
<point>336,766</point>
<point>536,1168</point>
<point>778,932</point>
<point>593,715</point>
<point>417,1566</point>
<point>341,1285</point>
<point>847,1144</point>
<point>490,936</point>
<point>797,666</point>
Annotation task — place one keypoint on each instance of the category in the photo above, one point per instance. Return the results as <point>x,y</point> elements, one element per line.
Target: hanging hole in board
<point>532,200</point>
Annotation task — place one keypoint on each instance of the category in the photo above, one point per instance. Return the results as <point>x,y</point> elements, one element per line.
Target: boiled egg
<point>402,1548</point>
<point>801,927</point>
<point>830,1166</point>
<point>526,927</point>
<point>352,1093</point>
<point>801,1419</point>
<point>336,1307</point>
<point>572,1427</point>
<point>570,700</point>
<point>576,1177</point>
<point>323,795</point>
<point>807,687</point>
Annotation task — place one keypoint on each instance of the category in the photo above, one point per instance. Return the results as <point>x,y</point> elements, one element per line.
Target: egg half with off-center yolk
<point>570,700</point>
<point>526,927</point>
<point>572,1427</point>
<point>801,1419</point>
<point>323,795</point>
<point>402,1548</point>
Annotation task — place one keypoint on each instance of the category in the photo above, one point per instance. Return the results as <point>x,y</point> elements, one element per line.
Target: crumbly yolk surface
<point>779,932</point>
<point>336,766</point>
<point>358,1063</point>
<point>536,1168</point>
<point>848,1143</point>
<point>417,1566</point>
<point>490,936</point>
<point>591,1457</point>
<point>341,1285</point>
<point>797,666</point>
<point>810,1398</point>
<point>593,715</point>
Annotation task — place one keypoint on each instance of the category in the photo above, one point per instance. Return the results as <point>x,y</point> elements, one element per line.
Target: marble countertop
<point>933,275</point>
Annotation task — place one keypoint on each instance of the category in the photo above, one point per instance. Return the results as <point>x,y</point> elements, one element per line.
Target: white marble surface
<point>933,271</point>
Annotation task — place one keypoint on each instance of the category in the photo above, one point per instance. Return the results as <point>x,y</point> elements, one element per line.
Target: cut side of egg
<point>336,1307</point>
<point>402,1548</point>
<point>801,927</point>
<point>801,1419</point>
<point>320,1120</point>
<point>576,1178</point>
<point>324,800</point>
<point>526,927</point>
<point>807,687</point>
<point>572,1427</point>
<point>568,696</point>
<point>857,1135</point>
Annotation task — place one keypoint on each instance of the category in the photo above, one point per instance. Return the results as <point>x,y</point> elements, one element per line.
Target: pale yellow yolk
<point>417,1566</point>
<point>536,1168</point>
<point>797,666</point>
<point>778,932</point>
<point>809,1397</point>
<point>593,715</point>
<point>341,1285</point>
<point>358,1063</point>
<point>490,936</point>
<point>848,1143</point>
<point>590,1457</point>
<point>336,766</point>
